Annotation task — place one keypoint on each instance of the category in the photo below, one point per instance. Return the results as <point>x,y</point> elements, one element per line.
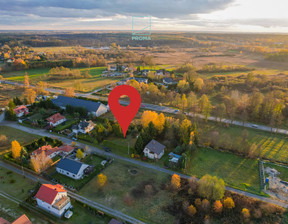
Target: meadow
<point>118,192</point>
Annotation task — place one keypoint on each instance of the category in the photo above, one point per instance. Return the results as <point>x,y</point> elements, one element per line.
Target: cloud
<point>90,8</point>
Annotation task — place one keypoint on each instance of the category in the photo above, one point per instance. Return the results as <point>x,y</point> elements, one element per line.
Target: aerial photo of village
<point>198,135</point>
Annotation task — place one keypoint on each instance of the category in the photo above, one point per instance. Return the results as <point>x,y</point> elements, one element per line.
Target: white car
<point>68,214</point>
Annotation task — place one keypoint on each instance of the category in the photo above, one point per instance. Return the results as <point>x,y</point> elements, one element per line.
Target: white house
<point>83,127</point>
<point>21,110</point>
<point>154,150</point>
<point>94,108</point>
<point>53,199</point>
<point>72,168</point>
<point>56,119</point>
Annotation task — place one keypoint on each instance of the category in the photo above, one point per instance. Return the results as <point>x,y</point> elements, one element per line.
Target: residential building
<point>52,152</point>
<point>23,219</point>
<point>159,72</point>
<point>83,127</point>
<point>169,81</point>
<point>21,110</point>
<point>53,199</point>
<point>56,119</point>
<point>94,108</point>
<point>72,168</point>
<point>154,150</point>
<point>174,158</point>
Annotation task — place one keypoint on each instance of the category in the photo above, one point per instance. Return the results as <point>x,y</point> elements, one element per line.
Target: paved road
<point>77,197</point>
<point>136,162</point>
<point>164,109</point>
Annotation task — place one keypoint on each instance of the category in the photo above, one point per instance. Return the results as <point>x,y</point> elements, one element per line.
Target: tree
<point>246,213</point>
<point>185,131</point>
<point>191,210</point>
<point>147,117</point>
<point>211,187</point>
<point>217,206</point>
<point>16,149</point>
<point>101,179</point>
<point>40,88</point>
<point>183,86</point>
<point>220,111</point>
<point>30,95</point>
<point>159,123</point>
<point>184,102</point>
<point>26,80</point>
<point>79,154</point>
<point>139,145</point>
<point>176,181</point>
<point>205,205</point>
<point>70,92</point>
<point>40,162</point>
<point>198,84</point>
<point>192,102</point>
<point>205,106</point>
<point>229,203</point>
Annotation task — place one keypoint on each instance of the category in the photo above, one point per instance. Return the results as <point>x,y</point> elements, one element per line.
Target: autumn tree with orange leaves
<point>40,162</point>
<point>101,179</point>
<point>16,149</point>
<point>175,181</point>
<point>157,120</point>
<point>70,92</point>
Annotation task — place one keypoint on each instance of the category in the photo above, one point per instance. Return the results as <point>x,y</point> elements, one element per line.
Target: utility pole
<point>128,147</point>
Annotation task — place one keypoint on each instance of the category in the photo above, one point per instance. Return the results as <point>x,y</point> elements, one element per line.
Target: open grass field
<point>272,146</point>
<point>7,92</point>
<point>52,50</point>
<point>236,171</point>
<point>14,134</point>
<point>119,186</point>
<point>15,184</point>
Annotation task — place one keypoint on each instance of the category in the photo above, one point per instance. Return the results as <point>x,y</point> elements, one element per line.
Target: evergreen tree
<point>139,145</point>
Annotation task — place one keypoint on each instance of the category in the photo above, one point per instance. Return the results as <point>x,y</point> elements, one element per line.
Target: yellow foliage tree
<point>246,213</point>
<point>79,154</point>
<point>69,92</point>
<point>16,149</point>
<point>30,95</point>
<point>157,120</point>
<point>101,179</point>
<point>176,181</point>
<point>191,210</point>
<point>229,203</point>
<point>40,162</point>
<point>217,206</point>
<point>26,80</point>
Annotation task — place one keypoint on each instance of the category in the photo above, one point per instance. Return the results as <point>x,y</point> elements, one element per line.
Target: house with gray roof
<point>72,168</point>
<point>169,81</point>
<point>154,150</point>
<point>94,108</point>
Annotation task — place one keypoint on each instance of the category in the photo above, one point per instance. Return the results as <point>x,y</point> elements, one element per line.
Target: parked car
<point>254,126</point>
<point>68,214</point>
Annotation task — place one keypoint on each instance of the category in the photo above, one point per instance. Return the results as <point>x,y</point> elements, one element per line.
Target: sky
<point>171,15</point>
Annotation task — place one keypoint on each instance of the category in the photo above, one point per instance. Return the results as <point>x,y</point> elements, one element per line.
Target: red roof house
<point>23,219</point>
<point>53,198</point>
<point>21,110</point>
<point>4,221</point>
<point>56,119</point>
<point>52,152</point>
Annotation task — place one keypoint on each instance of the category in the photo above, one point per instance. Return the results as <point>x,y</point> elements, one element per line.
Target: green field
<point>236,171</point>
<point>283,170</point>
<point>14,134</point>
<point>120,183</point>
<point>272,146</point>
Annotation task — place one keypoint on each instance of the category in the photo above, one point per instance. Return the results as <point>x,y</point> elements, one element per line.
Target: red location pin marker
<point>124,114</point>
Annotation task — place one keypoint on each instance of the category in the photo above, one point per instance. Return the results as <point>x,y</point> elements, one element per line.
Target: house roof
<point>70,165</point>
<point>63,101</point>
<point>174,155</point>
<point>155,147</point>
<point>168,80</point>
<point>66,148</point>
<point>114,221</point>
<point>20,109</point>
<point>4,221</point>
<point>48,192</point>
<point>47,149</point>
<point>55,118</point>
<point>23,219</point>
<point>83,124</point>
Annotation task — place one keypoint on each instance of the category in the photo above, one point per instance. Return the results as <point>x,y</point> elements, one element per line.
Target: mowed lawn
<point>120,183</point>
<point>14,134</point>
<point>236,171</point>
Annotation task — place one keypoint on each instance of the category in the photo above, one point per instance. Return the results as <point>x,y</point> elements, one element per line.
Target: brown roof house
<point>154,150</point>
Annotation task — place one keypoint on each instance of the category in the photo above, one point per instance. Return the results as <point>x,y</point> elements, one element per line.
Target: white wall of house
<point>77,176</point>
<point>49,208</point>
<point>58,122</point>
<point>152,155</point>
<point>20,114</point>
<point>86,130</point>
